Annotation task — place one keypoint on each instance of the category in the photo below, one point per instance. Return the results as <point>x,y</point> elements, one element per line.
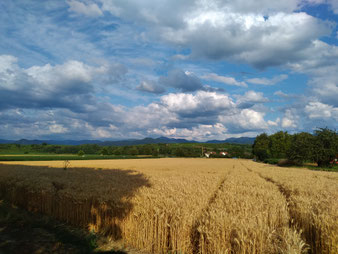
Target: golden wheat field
<point>173,205</point>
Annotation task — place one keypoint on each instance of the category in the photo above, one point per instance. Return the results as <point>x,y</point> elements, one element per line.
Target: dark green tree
<point>133,151</point>
<point>301,148</point>
<point>325,146</point>
<point>104,151</point>
<point>260,147</point>
<point>279,144</point>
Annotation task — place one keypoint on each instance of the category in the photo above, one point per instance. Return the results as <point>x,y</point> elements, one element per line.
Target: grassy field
<point>184,205</point>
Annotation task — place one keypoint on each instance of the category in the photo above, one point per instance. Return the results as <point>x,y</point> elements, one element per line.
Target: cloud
<point>318,110</point>
<point>58,39</point>
<point>274,123</point>
<point>281,94</point>
<point>321,66</point>
<point>201,103</point>
<point>223,79</point>
<point>325,87</point>
<point>66,90</point>
<point>201,115</point>
<point>184,81</point>
<point>244,120</point>
<point>69,85</point>
<point>290,120</point>
<point>266,81</point>
<point>57,128</point>
<point>334,5</point>
<point>112,73</point>
<point>199,133</point>
<point>260,33</point>
<point>150,87</point>
<point>90,10</point>
<point>250,98</point>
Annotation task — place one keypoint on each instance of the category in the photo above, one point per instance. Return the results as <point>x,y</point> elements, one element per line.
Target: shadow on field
<point>94,199</point>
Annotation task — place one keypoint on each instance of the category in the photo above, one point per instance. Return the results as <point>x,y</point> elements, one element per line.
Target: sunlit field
<point>184,205</point>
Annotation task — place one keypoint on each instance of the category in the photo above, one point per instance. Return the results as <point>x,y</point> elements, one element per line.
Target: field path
<point>312,202</point>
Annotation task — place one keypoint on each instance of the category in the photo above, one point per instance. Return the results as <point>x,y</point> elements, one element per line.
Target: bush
<point>287,163</point>
<point>81,153</point>
<point>273,161</point>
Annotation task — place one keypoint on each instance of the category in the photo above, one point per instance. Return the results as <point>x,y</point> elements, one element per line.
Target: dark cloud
<point>186,82</point>
<point>69,85</point>
<point>150,87</point>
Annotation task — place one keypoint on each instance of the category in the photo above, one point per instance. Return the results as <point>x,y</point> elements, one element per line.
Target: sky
<point>199,70</point>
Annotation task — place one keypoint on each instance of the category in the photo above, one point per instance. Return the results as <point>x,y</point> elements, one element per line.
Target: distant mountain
<point>128,142</point>
<point>145,141</point>
<point>4,141</point>
<point>241,140</point>
<point>51,142</point>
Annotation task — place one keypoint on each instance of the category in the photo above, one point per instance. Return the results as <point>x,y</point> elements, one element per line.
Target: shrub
<point>288,163</point>
<point>81,153</point>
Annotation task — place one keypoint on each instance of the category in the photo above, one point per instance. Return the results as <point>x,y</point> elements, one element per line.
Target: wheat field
<point>174,205</point>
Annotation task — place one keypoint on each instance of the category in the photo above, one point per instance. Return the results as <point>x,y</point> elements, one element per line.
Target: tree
<point>260,147</point>
<point>279,144</point>
<point>301,148</point>
<point>81,153</point>
<point>133,151</point>
<point>104,151</point>
<point>117,151</point>
<point>326,146</point>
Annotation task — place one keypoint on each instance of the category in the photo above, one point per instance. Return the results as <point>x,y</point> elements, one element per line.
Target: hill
<point>128,142</point>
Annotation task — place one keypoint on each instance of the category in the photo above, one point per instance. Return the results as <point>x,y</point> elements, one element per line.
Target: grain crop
<point>183,205</point>
<point>248,215</point>
<point>313,202</point>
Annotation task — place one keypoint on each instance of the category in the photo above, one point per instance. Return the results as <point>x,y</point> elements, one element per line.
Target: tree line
<point>166,150</point>
<point>320,147</point>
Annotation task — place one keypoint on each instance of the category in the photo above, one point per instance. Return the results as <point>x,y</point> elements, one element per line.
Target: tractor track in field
<point>195,235</point>
<point>294,224</point>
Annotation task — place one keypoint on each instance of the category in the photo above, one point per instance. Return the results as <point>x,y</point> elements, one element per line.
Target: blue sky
<point>103,69</point>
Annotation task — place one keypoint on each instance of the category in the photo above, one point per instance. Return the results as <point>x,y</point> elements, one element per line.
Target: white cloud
<point>71,71</point>
<point>318,110</point>
<point>57,128</point>
<point>266,81</point>
<point>334,5</point>
<point>325,87</point>
<point>8,71</point>
<point>90,10</point>
<point>289,121</point>
<point>274,123</point>
<point>250,98</point>
<point>281,94</point>
<point>195,104</point>
<point>200,133</point>
<point>224,79</point>
<point>229,30</point>
<point>244,120</point>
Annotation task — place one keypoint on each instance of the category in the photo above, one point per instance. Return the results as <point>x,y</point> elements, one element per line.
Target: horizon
<point>117,140</point>
<point>194,70</point>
